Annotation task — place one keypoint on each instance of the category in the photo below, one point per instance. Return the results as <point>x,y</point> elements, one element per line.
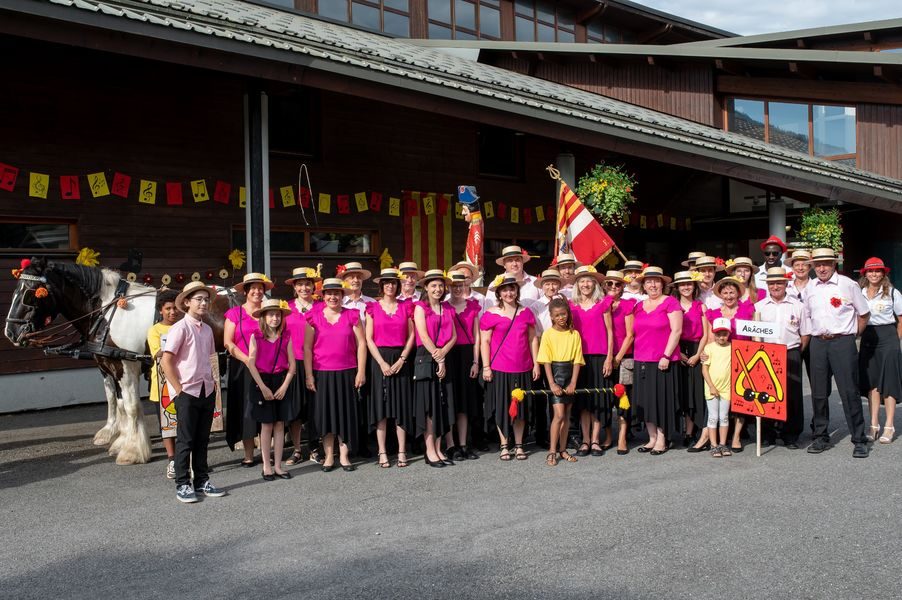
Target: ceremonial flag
<point>578,233</point>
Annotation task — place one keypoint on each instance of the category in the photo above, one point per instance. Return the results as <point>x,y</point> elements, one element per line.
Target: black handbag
<point>424,365</point>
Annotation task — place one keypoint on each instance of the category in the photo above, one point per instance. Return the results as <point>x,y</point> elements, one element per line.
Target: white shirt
<point>790,314</point>
<point>883,308</point>
<point>566,291</point>
<point>414,297</point>
<point>359,304</point>
<point>761,275</point>
<point>795,292</point>
<point>539,308</point>
<point>638,297</point>
<point>711,300</point>
<point>819,298</point>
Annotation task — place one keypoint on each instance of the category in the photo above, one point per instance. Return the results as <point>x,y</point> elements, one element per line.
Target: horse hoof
<point>102,437</point>
<point>131,457</point>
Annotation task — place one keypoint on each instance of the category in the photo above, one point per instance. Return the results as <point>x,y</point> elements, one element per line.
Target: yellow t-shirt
<point>156,331</point>
<point>561,346</point>
<point>719,363</point>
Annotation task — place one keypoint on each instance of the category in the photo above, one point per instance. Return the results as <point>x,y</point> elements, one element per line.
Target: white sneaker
<point>170,470</point>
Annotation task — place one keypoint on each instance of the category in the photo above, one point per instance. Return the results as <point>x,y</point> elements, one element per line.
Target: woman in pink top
<point>433,321</point>
<point>695,330</point>
<point>463,366</point>
<point>591,310</point>
<point>658,325</point>
<point>622,325</point>
<point>238,329</point>
<point>335,369</point>
<point>303,281</point>
<point>389,337</point>
<point>271,365</point>
<point>508,346</point>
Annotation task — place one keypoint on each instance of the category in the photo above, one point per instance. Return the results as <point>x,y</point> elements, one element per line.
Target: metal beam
<point>256,173</point>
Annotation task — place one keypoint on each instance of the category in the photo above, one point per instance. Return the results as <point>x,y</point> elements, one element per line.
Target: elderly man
<point>352,276</point>
<point>410,275</point>
<point>773,249</point>
<point>566,265</point>
<point>792,318</point>
<point>839,313</point>
<point>512,259</point>
<point>472,273</point>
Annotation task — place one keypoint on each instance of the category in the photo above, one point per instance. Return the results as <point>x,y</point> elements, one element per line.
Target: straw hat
<point>775,241</point>
<point>465,264</point>
<point>721,324</point>
<point>355,267</point>
<point>686,277</point>
<point>778,274</point>
<point>633,265</point>
<point>254,278</point>
<point>503,279</point>
<point>654,273</point>
<point>708,261</point>
<point>614,275</point>
<point>458,276</point>
<point>874,264</point>
<point>512,252</point>
<point>432,274</point>
<point>588,271</point>
<point>693,256</point>
<point>547,275</point>
<point>727,281</point>
<point>410,268</point>
<point>823,255</point>
<point>271,305</point>
<point>303,273</point>
<point>797,255</point>
<point>334,283</point>
<point>389,274</point>
<point>741,261</point>
<point>565,258</point>
<point>189,289</point>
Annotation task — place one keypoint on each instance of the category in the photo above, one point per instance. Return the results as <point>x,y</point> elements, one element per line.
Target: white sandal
<point>887,439</point>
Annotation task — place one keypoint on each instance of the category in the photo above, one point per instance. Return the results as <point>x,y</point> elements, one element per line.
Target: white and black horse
<point>113,330</point>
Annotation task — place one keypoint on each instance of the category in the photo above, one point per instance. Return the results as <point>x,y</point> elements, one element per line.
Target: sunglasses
<point>613,284</point>
<point>772,253</point>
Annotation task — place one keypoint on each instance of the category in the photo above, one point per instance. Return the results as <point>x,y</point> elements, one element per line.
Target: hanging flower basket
<point>607,191</point>
<point>821,229</point>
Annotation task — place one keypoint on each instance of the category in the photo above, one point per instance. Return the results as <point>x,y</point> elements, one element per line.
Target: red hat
<point>773,240</point>
<point>874,264</point>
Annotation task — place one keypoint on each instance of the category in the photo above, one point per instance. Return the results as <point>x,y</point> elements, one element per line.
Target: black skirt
<point>562,372</point>
<point>880,362</point>
<point>240,423</point>
<point>498,399</point>
<point>692,386</point>
<point>467,391</point>
<point>335,405</point>
<point>434,399</point>
<point>298,397</point>
<point>391,397</point>
<point>656,395</point>
<point>270,411</point>
<point>590,376</point>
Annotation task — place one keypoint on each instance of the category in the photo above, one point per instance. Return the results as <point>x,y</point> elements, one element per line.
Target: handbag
<point>424,365</point>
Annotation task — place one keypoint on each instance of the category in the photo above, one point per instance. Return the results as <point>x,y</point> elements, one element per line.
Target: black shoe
<point>622,452</point>
<point>348,468</point>
<point>469,454</point>
<point>687,441</point>
<point>328,468</point>
<point>818,446</point>
<point>657,452</point>
<point>446,462</point>
<point>767,442</point>
<point>456,453</point>
<point>736,450</point>
<point>861,451</point>
<point>694,449</point>
<point>248,464</point>
<point>581,452</point>
<point>437,464</point>
<point>269,477</point>
<point>598,451</point>
<point>791,444</point>
<point>285,475</point>
<point>643,449</point>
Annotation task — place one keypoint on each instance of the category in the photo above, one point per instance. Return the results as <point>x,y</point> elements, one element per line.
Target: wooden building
<point>159,95</point>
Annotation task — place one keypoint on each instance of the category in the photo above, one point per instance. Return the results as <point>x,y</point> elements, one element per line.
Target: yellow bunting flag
<point>38,184</point>
<point>242,197</point>
<point>515,214</point>
<point>360,199</point>
<point>287,194</point>
<point>643,222</point>
<point>199,190</point>
<point>458,210</point>
<point>673,223</point>
<point>540,214</point>
<point>660,219</point>
<point>147,192</point>
<point>325,203</point>
<point>488,209</point>
<point>97,183</point>
<point>429,204</point>
<point>394,207</point>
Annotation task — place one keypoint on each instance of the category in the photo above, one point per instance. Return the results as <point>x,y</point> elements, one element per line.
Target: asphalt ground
<point>785,525</point>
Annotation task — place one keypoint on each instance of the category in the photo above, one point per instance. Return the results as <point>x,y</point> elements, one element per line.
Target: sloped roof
<point>807,34</point>
<point>254,30</point>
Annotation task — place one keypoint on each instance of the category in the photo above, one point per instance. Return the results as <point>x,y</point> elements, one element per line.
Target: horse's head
<point>35,303</point>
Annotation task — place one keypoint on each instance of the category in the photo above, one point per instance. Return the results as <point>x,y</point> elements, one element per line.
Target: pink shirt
<point>618,318</point>
<point>510,354</point>
<point>440,327</point>
<point>834,305</point>
<point>272,356</point>
<point>693,328</point>
<point>463,322</point>
<point>790,314</point>
<point>390,330</point>
<point>653,330</point>
<point>190,341</point>
<point>590,325</point>
<point>296,323</point>
<point>334,344</point>
<point>245,326</point>
<point>744,312</point>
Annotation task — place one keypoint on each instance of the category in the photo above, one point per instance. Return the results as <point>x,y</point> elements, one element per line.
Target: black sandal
<point>296,458</point>
<point>581,452</point>
<point>505,454</point>
<point>386,464</point>
<point>599,452</point>
<point>402,462</point>
<point>519,452</point>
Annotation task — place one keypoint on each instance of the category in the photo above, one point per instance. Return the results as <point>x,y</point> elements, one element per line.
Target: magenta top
<point>653,329</point>
<point>442,324</point>
<point>510,354</point>
<point>334,344</point>
<point>590,325</point>
<point>463,321</point>
<point>693,329</point>
<point>296,323</point>
<point>272,357</point>
<point>390,330</point>
<point>618,318</point>
<point>245,326</point>
<point>745,312</point>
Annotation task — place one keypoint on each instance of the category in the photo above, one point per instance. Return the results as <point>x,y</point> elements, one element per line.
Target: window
<point>390,16</point>
<point>294,241</point>
<point>599,32</point>
<point>294,123</point>
<point>826,131</point>
<point>500,152</point>
<point>464,19</point>
<point>37,235</point>
<point>543,21</point>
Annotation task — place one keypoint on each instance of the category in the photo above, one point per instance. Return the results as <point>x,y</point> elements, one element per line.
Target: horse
<point>110,317</point>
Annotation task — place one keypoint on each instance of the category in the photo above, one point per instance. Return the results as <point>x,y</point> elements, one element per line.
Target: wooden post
<point>758,435</point>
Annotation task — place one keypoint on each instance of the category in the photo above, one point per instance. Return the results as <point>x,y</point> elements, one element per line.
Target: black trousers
<point>839,357</point>
<point>195,416</point>
<point>792,428</point>
<point>806,361</point>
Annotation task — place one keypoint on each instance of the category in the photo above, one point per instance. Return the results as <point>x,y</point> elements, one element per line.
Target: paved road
<point>786,525</point>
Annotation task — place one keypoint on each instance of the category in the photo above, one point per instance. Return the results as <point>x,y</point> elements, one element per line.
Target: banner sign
<point>758,380</point>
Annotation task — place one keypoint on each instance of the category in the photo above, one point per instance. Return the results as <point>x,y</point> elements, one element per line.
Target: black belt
<point>832,336</point>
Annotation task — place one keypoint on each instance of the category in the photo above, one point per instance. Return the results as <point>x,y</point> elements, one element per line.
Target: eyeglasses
<point>613,284</point>
<point>200,299</point>
<point>772,253</point>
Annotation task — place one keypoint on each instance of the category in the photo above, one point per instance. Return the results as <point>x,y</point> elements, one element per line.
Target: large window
<point>543,21</point>
<point>599,32</point>
<point>823,130</point>
<point>464,19</point>
<point>390,16</point>
<point>18,234</point>
<point>294,240</point>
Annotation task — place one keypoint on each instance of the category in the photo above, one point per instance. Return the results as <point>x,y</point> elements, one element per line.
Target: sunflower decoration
<point>283,305</point>
<point>729,262</point>
<point>696,276</point>
<point>345,285</point>
<point>237,258</point>
<point>87,257</point>
<point>497,281</point>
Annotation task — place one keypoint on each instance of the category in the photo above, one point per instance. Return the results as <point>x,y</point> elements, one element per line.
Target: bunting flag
<point>427,237</point>
<point>578,233</point>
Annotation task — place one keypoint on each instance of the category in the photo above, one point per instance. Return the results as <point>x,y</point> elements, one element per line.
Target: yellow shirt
<point>561,346</point>
<point>719,365</point>
<point>154,334</point>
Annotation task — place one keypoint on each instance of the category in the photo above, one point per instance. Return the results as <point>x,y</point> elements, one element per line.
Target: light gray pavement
<point>786,525</point>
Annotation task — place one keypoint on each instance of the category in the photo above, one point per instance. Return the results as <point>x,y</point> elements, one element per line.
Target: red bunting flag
<point>69,189</point>
<point>8,176</point>
<point>344,204</point>
<point>376,201</point>
<point>173,193</point>
<point>305,197</point>
<point>502,210</point>
<point>272,198</point>
<point>221,192</point>
<point>527,216</point>
<point>121,184</point>
<point>443,205</point>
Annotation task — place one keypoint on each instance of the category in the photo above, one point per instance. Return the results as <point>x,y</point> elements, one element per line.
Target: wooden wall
<point>879,139</point>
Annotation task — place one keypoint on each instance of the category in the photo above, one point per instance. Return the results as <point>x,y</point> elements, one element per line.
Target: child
<point>561,353</point>
<point>270,363</point>
<point>716,371</point>
<point>159,391</point>
<point>189,373</point>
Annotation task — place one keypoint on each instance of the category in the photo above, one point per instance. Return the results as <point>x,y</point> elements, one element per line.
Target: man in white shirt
<point>352,276</point>
<point>773,249</point>
<point>566,265</point>
<point>410,275</point>
<point>707,266</point>
<point>633,290</point>
<point>512,259</point>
